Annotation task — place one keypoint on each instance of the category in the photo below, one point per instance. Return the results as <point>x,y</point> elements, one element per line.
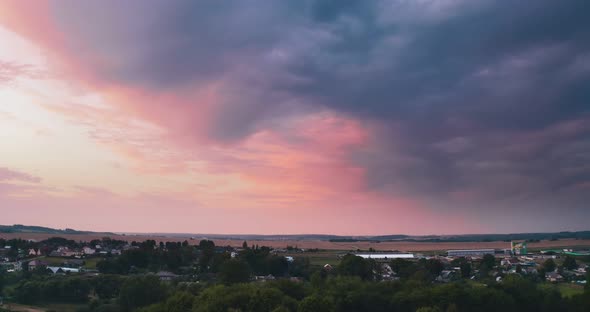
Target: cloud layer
<point>465,107</point>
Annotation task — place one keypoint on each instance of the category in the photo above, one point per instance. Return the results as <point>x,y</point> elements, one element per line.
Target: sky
<point>289,117</point>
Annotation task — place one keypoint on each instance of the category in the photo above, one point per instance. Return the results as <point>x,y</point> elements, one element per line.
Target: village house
<point>166,276</point>
<point>553,277</point>
<point>263,278</point>
<point>73,263</point>
<point>88,251</point>
<point>37,264</point>
<point>446,276</point>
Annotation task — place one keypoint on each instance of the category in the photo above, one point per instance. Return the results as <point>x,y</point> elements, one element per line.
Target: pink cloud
<point>13,175</point>
<point>293,167</point>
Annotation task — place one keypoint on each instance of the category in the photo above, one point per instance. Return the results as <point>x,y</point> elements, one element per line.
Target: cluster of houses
<point>510,262</point>
<point>64,251</point>
<point>13,260</point>
<point>519,263</point>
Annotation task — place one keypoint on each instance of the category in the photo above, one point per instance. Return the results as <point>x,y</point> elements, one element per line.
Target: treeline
<point>50,244</point>
<point>204,259</point>
<point>332,293</point>
<point>19,228</point>
<point>56,289</point>
<point>353,285</point>
<point>531,237</point>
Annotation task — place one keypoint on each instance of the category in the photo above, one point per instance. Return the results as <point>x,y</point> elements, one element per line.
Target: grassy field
<point>91,263</point>
<point>61,307</point>
<point>567,290</point>
<point>413,246</point>
<point>320,258</point>
<point>54,261</point>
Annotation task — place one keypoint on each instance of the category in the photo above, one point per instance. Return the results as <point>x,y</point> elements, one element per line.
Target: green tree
<point>434,266</point>
<point>28,292</point>
<point>2,280</point>
<point>265,299</point>
<point>207,249</point>
<point>234,271</point>
<point>549,265</point>
<point>179,302</point>
<point>107,286</point>
<point>465,269</point>
<point>316,303</point>
<point>277,265</point>
<point>139,291</point>
<point>488,262</point>
<point>570,263</point>
<point>403,268</point>
<point>74,289</point>
<point>452,308</point>
<point>353,265</point>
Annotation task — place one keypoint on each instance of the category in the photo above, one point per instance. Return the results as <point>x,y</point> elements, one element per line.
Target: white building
<point>387,256</point>
<point>57,270</point>
<point>470,252</point>
<point>88,251</point>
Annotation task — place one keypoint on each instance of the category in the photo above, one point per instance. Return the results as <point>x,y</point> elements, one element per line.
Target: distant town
<point>97,275</point>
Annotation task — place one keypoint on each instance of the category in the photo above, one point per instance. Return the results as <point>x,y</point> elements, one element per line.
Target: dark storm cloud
<point>485,97</point>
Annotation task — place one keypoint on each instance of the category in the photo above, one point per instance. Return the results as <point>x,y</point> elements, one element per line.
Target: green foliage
<point>28,292</point>
<point>434,266</point>
<point>147,257</point>
<point>300,267</point>
<point>55,289</point>
<point>2,280</point>
<point>243,297</point>
<point>234,271</point>
<point>465,269</point>
<point>207,249</point>
<point>549,265</point>
<point>488,262</point>
<point>107,286</point>
<point>295,290</point>
<point>403,268</point>
<point>570,263</point>
<point>179,302</point>
<point>139,291</point>
<point>315,303</point>
<point>262,262</point>
<point>277,265</point>
<point>110,307</point>
<point>352,265</point>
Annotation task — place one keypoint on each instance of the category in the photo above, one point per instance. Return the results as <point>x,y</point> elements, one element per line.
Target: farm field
<point>48,307</point>
<point>322,244</point>
<point>569,290</point>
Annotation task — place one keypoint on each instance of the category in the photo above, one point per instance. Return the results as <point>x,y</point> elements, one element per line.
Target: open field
<point>321,244</point>
<point>48,307</point>
<point>567,290</point>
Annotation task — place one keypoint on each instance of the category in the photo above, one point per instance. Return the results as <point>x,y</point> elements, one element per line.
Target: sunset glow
<point>231,117</point>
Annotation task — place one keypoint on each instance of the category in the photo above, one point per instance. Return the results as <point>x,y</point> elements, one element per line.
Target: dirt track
<point>402,246</point>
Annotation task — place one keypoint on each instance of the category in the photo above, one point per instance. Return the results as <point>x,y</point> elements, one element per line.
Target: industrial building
<point>470,252</point>
<point>385,256</point>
